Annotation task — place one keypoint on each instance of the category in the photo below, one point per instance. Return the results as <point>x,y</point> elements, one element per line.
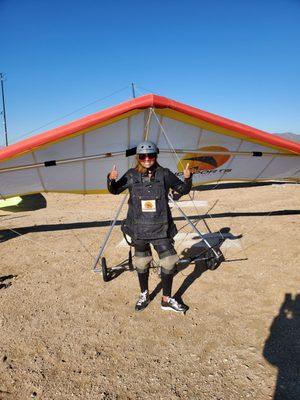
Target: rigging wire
<point>48,248</point>
<point>180,162</point>
<point>147,125</point>
<point>175,154</point>
<point>34,241</point>
<point>112,224</point>
<point>147,129</point>
<point>155,263</point>
<point>145,90</point>
<point>213,187</point>
<point>260,240</point>
<point>73,112</point>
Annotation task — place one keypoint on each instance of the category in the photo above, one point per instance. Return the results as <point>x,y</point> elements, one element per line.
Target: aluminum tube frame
<point>192,225</point>
<point>103,246</point>
<point>60,162</point>
<point>119,153</point>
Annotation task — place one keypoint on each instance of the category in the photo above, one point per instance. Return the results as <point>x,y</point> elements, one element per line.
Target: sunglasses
<point>147,156</point>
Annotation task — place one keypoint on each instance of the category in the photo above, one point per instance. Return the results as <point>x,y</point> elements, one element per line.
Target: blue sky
<point>235,58</point>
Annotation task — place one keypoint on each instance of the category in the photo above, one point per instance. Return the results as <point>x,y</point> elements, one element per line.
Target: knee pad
<point>168,263</point>
<point>142,260</point>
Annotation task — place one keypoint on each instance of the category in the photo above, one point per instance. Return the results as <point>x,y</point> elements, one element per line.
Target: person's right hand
<point>113,175</point>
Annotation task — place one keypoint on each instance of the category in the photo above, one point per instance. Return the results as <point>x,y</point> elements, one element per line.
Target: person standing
<point>149,219</point>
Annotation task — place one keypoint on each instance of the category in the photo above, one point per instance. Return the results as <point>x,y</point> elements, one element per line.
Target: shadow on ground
<point>198,254</point>
<point>282,349</point>
<point>30,202</point>
<point>236,185</point>
<point>11,233</point>
<point>5,281</point>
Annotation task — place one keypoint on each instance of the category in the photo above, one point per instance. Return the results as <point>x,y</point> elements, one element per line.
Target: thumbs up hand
<point>186,171</point>
<point>113,175</point>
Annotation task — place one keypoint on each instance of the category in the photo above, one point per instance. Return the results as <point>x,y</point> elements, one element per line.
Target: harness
<point>149,215</point>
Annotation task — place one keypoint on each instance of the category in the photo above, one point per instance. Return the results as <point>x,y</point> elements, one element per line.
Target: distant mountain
<point>290,136</point>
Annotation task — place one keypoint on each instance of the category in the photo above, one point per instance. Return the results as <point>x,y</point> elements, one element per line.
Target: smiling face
<point>147,160</point>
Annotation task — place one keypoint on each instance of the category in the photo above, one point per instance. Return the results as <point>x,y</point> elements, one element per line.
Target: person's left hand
<point>187,172</point>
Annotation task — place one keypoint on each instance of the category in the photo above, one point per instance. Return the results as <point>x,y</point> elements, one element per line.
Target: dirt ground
<point>65,333</point>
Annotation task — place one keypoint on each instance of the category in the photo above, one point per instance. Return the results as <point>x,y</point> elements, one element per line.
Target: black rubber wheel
<point>105,275</point>
<point>212,262</point>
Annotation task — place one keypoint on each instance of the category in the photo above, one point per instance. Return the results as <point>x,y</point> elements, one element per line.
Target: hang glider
<point>76,157</point>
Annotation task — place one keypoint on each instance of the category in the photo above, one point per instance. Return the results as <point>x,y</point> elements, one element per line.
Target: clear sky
<point>235,58</point>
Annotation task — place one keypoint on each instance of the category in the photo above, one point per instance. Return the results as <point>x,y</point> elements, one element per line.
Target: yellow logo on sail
<point>205,161</point>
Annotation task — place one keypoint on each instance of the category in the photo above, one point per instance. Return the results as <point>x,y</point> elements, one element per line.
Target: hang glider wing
<point>27,202</point>
<point>76,157</point>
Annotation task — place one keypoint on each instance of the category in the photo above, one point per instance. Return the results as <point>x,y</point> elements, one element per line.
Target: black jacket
<point>149,216</point>
<point>171,182</point>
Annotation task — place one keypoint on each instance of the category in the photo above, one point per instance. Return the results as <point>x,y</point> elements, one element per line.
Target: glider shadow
<point>237,185</point>
<point>198,250</point>
<point>7,234</point>
<point>30,202</point>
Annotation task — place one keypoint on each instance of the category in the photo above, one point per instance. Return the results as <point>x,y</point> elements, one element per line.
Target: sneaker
<point>173,305</point>
<point>143,301</point>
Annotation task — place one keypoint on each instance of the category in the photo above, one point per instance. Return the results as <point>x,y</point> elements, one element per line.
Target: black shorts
<point>163,247</point>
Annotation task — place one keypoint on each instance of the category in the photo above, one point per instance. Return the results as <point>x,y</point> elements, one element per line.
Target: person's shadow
<point>197,253</point>
<point>282,349</point>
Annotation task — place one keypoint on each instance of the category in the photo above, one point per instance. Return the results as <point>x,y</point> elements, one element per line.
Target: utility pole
<point>3,108</point>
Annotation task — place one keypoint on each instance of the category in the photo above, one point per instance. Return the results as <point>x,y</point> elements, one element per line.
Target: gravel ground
<point>66,334</point>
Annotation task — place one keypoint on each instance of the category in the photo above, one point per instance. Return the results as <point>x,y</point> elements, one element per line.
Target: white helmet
<point>147,147</point>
